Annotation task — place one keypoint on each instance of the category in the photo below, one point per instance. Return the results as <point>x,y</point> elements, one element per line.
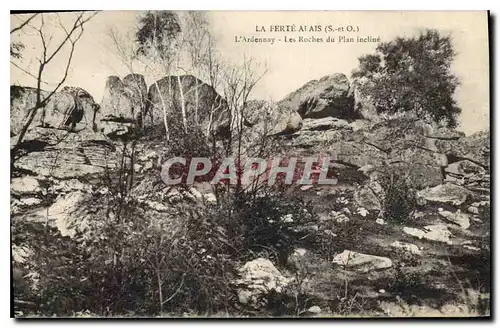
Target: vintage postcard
<point>254,164</point>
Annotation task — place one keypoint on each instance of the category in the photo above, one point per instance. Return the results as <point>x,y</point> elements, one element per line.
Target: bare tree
<point>47,55</point>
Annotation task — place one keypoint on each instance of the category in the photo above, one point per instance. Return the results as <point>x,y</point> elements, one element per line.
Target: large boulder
<point>72,108</point>
<point>116,102</point>
<point>135,86</point>
<point>363,105</point>
<point>331,95</point>
<point>171,94</point>
<point>123,105</point>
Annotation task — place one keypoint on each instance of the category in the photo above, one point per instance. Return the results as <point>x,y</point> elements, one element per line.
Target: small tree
<point>411,75</point>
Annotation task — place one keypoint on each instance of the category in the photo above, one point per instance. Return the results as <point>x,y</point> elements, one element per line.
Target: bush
<point>273,224</point>
<point>400,198</point>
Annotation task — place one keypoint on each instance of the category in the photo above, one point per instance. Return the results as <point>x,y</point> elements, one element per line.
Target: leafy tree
<point>156,33</point>
<point>411,75</point>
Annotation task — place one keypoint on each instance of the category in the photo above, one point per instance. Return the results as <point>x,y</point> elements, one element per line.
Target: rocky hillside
<point>404,232</point>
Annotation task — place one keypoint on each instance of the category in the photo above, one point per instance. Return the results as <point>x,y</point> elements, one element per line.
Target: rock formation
<point>71,109</point>
<point>172,94</point>
<point>331,95</point>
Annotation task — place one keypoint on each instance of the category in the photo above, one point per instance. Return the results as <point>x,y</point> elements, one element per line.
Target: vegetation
<point>412,75</point>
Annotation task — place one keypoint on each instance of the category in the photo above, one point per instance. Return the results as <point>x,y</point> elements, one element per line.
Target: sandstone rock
<point>287,124</point>
<point>419,175</point>
<point>359,125</point>
<point>473,210</point>
<point>357,153</point>
<point>363,105</point>
<point>445,194</point>
<point>66,155</point>
<point>363,211</point>
<point>366,198</point>
<point>411,248</point>
<point>475,148</point>
<point>200,100</point>
<point>72,108</point>
<point>258,278</point>
<point>314,309</point>
<point>31,201</point>
<point>436,232</point>
<point>24,185</point>
<point>361,262</point>
<point>458,218</point>
<point>116,102</point>
<point>116,128</point>
<point>65,186</point>
<point>326,123</point>
<point>67,214</point>
<point>319,140</point>
<point>123,105</point>
<point>329,96</point>
<point>464,168</point>
<point>137,90</point>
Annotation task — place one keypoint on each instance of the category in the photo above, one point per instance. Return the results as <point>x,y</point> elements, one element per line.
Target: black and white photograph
<point>250,164</point>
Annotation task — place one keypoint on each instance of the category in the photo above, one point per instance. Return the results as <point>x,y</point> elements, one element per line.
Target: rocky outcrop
<point>474,148</point>
<point>395,146</point>
<point>173,94</point>
<point>330,96</point>
<point>72,109</point>
<point>62,154</point>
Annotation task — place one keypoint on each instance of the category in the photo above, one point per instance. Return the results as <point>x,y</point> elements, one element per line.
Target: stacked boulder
<point>123,105</point>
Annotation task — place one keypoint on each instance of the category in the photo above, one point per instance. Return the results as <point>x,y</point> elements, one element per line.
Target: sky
<point>289,65</point>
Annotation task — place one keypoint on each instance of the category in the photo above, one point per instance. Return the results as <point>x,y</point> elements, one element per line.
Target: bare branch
<point>26,22</point>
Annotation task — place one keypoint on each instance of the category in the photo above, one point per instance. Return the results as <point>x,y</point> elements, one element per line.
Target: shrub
<point>400,198</point>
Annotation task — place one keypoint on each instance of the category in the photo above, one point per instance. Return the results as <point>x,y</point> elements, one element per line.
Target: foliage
<point>156,33</point>
<point>400,199</point>
<point>411,75</point>
<point>16,49</point>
